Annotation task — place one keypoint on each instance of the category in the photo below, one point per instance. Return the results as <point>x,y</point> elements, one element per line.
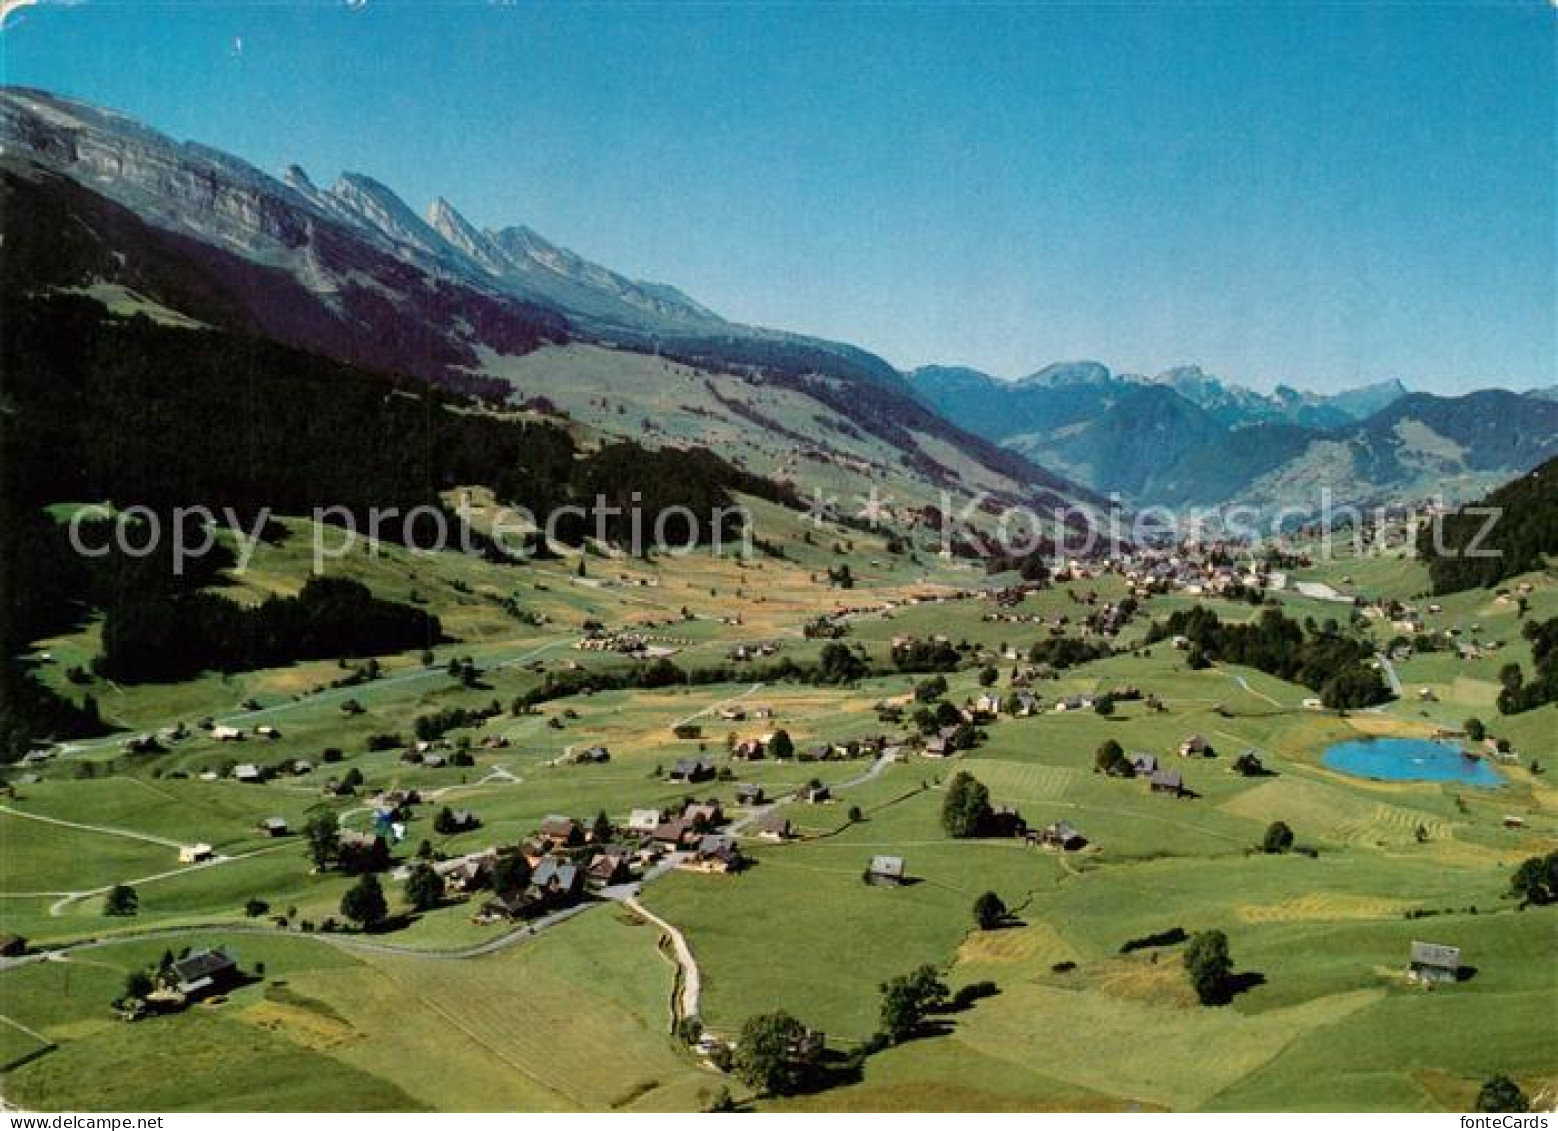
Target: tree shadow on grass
<point>965,999</point>
<point>1240,983</point>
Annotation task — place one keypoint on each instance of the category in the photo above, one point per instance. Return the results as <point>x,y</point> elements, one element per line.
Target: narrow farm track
<point>17,1025</point>
<point>105,830</point>
<point>691,995</point>
<point>712,707</point>
<point>1245,685</point>
<point>1390,674</point>
<point>57,908</point>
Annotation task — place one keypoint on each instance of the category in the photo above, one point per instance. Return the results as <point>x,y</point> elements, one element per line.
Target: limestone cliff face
<point>185,186</point>
<point>323,237</point>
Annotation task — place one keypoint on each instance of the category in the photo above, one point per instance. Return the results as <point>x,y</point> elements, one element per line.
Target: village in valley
<point>918,823</point>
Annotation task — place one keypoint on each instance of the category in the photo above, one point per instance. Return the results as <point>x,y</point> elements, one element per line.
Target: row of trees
<point>837,664</point>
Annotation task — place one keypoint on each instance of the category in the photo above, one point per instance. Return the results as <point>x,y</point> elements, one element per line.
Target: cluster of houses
<point>1106,619</point>
<point>641,644</point>
<point>1209,571</point>
<point>569,859</point>
<point>160,741</point>
<point>1161,779</point>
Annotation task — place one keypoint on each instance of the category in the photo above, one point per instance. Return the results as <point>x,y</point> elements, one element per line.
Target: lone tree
<point>1474,729</point>
<point>1536,880</point>
<point>511,874</point>
<point>1249,765</point>
<point>1209,967</point>
<point>930,690</point>
<point>600,831</point>
<point>781,746</point>
<point>323,834</point>
<point>138,983</point>
<point>424,890</point>
<point>121,900</point>
<point>987,676</point>
<point>1111,759</point>
<point>1278,838</point>
<point>989,911</point>
<point>1502,1094</point>
<point>966,811</point>
<point>776,1054</point>
<point>906,1000</point>
<point>364,902</point>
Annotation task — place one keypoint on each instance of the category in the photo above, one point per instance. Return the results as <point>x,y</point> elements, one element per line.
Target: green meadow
<point>580,1016</point>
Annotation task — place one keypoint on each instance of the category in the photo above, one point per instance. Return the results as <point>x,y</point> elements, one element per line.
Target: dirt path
<point>1245,684</point>
<point>712,707</point>
<point>688,1000</point>
<point>57,908</point>
<point>104,829</point>
<point>1390,674</point>
<point>17,1025</point>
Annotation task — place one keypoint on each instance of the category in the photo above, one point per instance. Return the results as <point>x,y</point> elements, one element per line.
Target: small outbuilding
<point>885,871</point>
<point>1434,962</point>
<point>204,972</point>
<point>691,770</point>
<point>1062,835</point>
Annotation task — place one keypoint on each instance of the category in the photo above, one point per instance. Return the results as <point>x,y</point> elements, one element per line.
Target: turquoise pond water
<point>1409,759</point>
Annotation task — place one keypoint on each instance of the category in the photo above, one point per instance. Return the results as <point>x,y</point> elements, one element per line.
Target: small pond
<point>1409,759</point>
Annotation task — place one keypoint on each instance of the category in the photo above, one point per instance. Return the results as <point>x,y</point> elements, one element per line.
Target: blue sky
<point>1318,194</point>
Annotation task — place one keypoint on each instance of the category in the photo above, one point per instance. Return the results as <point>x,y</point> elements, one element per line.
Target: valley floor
<point>578,1012</point>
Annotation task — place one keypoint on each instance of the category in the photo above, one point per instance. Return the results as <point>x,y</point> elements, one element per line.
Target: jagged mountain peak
<point>465,238</point>
<point>1069,373</point>
<point>530,254</point>
<point>378,205</point>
